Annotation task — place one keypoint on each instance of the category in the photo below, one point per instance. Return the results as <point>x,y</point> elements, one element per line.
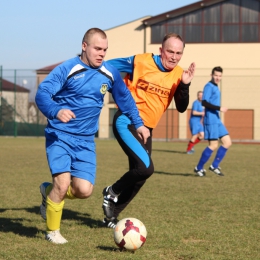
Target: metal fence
<point>19,115</point>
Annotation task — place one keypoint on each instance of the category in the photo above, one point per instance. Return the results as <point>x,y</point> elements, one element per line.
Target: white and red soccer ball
<point>130,234</point>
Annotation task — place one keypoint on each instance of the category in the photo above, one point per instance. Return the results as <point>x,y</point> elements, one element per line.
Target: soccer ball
<point>130,234</point>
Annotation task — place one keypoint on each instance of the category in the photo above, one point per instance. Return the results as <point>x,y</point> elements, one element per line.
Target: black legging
<point>133,180</point>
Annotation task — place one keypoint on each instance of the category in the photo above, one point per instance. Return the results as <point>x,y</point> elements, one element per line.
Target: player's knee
<point>83,191</point>
<point>213,146</point>
<point>151,169</point>
<point>61,183</point>
<point>146,172</point>
<point>227,144</point>
<point>86,194</point>
<point>226,141</point>
<point>59,190</point>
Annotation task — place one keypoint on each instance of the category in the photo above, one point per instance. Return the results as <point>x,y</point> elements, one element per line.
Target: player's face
<point>94,52</point>
<point>171,53</point>
<point>200,96</point>
<point>216,77</point>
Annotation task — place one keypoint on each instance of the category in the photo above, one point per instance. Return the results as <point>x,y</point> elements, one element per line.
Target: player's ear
<point>84,45</point>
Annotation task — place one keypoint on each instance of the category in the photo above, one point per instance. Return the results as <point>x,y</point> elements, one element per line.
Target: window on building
<point>227,22</point>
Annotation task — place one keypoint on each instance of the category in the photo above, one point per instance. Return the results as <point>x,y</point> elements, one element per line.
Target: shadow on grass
<point>176,174</point>
<point>115,249</point>
<point>108,248</point>
<point>16,226</point>
<point>168,151</point>
<point>68,214</point>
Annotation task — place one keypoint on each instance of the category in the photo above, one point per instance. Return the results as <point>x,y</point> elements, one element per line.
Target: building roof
<point>10,86</point>
<point>156,19</point>
<point>47,69</point>
<point>180,11</point>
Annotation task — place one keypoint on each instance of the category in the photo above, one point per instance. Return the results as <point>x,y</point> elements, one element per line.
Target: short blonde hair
<point>91,32</point>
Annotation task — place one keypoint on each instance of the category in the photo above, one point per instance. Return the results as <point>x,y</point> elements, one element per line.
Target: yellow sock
<point>69,194</point>
<point>53,214</point>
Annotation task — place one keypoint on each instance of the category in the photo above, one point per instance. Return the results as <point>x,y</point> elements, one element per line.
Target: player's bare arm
<point>188,74</point>
<point>197,113</point>
<point>143,132</point>
<point>223,109</point>
<point>65,115</point>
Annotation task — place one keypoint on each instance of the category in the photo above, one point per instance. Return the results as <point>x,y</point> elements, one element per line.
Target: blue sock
<point>219,156</point>
<point>204,157</point>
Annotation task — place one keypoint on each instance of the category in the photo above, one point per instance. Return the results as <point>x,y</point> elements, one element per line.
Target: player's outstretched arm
<point>143,132</point>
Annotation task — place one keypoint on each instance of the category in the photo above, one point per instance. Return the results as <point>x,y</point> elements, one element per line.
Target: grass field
<point>187,217</point>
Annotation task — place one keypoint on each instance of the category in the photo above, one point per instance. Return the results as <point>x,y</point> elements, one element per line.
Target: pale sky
<point>36,34</point>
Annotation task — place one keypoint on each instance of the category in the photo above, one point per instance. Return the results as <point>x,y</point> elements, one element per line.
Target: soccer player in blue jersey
<point>154,81</point>
<point>214,129</point>
<point>71,97</point>
<point>196,124</point>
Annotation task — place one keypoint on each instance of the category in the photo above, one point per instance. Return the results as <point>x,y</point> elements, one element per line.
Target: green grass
<point>187,217</point>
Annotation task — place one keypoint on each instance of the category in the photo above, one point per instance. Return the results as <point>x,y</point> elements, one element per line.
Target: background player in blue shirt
<point>196,123</point>
<point>71,97</point>
<point>213,127</point>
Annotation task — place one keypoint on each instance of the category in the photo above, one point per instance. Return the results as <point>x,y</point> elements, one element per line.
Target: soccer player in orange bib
<point>154,80</point>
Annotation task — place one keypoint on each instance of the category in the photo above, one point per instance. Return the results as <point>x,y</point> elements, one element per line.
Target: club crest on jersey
<point>103,89</point>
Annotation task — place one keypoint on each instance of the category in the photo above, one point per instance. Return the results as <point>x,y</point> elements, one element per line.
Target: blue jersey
<point>127,64</point>
<point>74,85</point>
<point>211,94</point>
<point>196,106</point>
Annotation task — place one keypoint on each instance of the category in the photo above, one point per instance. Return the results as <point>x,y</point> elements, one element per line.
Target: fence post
<point>1,76</point>
<point>37,109</point>
<point>1,107</point>
<point>15,124</point>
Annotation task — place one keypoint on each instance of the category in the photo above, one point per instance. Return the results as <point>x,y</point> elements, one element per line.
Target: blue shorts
<point>196,127</point>
<point>67,153</point>
<point>214,131</point>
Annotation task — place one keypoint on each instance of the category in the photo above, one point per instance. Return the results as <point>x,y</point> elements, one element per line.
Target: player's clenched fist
<point>65,115</point>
